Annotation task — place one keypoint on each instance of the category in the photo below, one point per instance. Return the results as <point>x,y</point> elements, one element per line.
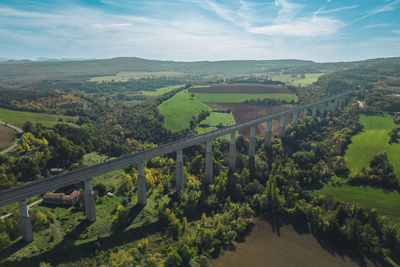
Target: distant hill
<point>12,71</point>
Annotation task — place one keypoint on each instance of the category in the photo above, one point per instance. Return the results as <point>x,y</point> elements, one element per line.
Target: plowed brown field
<point>7,135</point>
<point>265,247</point>
<point>242,88</point>
<point>245,112</point>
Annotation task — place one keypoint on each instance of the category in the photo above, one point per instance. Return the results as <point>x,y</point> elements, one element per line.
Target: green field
<point>214,119</point>
<point>200,86</point>
<point>373,140</point>
<point>125,76</point>
<point>161,91</point>
<point>179,110</point>
<point>18,118</point>
<point>238,98</point>
<point>386,203</point>
<point>288,78</point>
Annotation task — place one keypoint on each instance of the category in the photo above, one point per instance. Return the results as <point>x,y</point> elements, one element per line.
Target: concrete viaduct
<point>21,193</point>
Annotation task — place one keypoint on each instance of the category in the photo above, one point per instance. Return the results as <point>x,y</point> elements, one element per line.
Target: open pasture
<point>242,88</point>
<point>18,118</point>
<point>373,140</point>
<point>297,79</point>
<point>215,119</point>
<point>386,203</point>
<point>179,110</point>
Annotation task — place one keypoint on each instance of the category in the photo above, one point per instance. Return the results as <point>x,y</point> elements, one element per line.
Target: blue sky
<point>191,30</point>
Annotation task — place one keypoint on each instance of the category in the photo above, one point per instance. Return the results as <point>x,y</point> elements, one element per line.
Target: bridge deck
<point>61,180</point>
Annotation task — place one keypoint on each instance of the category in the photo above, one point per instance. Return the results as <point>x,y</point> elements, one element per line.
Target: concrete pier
<point>322,111</point>
<point>282,126</point>
<point>209,162</point>
<point>90,210</point>
<point>180,176</point>
<point>314,111</point>
<point>268,133</point>
<point>252,142</point>
<point>232,151</point>
<point>141,184</point>
<point>26,226</point>
<point>295,119</point>
<point>305,114</point>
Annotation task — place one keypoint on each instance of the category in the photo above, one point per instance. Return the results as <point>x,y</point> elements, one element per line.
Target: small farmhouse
<point>62,199</point>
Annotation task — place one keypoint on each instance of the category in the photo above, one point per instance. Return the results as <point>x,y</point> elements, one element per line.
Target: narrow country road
<point>30,205</point>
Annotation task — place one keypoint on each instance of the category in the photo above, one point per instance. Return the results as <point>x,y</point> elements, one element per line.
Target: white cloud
<point>114,25</point>
<point>305,27</point>
<point>287,23</point>
<point>389,7</point>
<point>396,31</point>
<point>322,11</point>
<point>378,25</point>
<point>239,31</point>
<point>287,10</point>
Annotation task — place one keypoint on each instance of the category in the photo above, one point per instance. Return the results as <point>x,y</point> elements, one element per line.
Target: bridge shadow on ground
<point>335,248</point>
<point>67,250</point>
<point>10,250</point>
<point>341,250</point>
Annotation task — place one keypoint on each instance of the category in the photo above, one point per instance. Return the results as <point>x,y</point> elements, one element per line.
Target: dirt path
<point>30,205</point>
<point>12,126</point>
<point>264,247</point>
<point>360,104</point>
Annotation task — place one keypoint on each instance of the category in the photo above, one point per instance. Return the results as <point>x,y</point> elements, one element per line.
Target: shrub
<point>100,189</point>
<point>173,259</point>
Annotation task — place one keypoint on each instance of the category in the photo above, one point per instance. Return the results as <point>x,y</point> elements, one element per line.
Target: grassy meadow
<point>238,98</point>
<point>161,91</point>
<point>179,110</point>
<point>373,140</point>
<point>18,118</point>
<point>288,78</point>
<point>386,203</point>
<point>214,119</point>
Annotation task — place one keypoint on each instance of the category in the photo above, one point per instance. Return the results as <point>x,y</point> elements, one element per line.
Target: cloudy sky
<point>189,30</point>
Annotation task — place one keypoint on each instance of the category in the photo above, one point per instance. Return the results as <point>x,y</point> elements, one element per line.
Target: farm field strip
<point>242,88</point>
<point>386,203</point>
<point>238,98</point>
<point>373,140</point>
<point>18,118</point>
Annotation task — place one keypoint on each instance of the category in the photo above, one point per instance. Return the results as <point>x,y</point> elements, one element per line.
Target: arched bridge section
<point>21,193</point>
